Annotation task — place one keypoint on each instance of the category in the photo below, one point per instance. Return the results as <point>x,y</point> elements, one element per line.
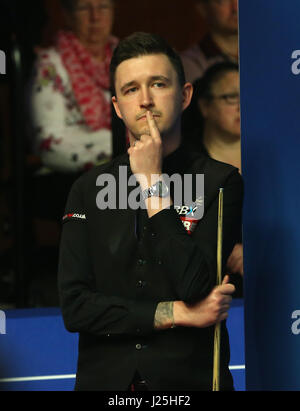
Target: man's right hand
<point>209,311</point>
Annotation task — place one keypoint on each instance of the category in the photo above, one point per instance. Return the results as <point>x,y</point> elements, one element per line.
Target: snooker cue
<point>217,334</point>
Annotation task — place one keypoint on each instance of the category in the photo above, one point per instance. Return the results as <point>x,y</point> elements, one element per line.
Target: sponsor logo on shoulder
<point>74,215</point>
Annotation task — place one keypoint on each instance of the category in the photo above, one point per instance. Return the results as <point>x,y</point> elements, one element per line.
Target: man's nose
<point>146,98</point>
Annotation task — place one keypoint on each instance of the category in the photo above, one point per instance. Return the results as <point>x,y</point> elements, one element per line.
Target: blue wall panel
<point>270,113</point>
<point>38,354</point>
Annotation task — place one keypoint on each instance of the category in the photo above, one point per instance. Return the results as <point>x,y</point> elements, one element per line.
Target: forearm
<point>170,314</point>
<point>211,310</point>
<point>173,314</point>
<point>164,316</point>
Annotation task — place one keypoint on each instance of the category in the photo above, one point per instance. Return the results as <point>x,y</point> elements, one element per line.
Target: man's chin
<point>145,131</point>
<point>137,136</point>
<point>140,133</point>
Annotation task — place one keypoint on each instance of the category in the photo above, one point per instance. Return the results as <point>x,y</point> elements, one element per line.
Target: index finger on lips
<point>155,134</point>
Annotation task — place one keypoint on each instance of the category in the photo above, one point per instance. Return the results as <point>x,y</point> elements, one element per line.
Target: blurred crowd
<point>56,119</point>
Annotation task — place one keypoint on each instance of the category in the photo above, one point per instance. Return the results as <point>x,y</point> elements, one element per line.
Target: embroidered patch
<point>191,215</point>
<point>189,224</point>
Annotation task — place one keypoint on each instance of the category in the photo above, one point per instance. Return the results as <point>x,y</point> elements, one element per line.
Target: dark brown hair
<point>144,44</point>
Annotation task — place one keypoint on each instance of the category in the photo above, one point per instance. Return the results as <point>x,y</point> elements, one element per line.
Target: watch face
<point>159,189</point>
<point>152,191</point>
<point>162,189</point>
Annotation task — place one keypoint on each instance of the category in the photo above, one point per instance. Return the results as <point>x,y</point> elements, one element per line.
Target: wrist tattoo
<point>164,316</point>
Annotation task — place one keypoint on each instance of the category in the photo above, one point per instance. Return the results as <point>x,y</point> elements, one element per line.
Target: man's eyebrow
<point>152,78</point>
<point>126,85</point>
<point>162,78</point>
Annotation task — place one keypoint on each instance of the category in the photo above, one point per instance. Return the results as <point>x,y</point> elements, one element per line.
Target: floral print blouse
<point>61,138</point>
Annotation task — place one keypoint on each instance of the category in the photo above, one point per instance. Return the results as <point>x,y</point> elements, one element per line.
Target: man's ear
<point>187,93</point>
<point>116,106</point>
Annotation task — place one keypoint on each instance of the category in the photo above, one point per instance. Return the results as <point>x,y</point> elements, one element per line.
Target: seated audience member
<point>71,119</point>
<point>221,41</point>
<point>70,98</point>
<point>212,125</point>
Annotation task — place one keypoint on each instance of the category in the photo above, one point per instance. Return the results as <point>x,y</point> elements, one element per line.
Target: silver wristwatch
<point>159,189</point>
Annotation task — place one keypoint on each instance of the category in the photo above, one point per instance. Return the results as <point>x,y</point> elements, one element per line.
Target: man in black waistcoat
<point>138,282</point>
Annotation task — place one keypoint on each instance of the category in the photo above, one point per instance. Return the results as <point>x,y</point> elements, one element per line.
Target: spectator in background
<point>212,124</point>
<point>70,106</point>
<point>70,97</point>
<point>221,41</point>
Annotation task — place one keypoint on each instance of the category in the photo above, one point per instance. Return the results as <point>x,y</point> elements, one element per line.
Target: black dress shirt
<point>116,265</point>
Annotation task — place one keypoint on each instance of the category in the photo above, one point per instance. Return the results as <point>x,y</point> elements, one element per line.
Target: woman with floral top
<point>70,110</point>
<point>70,99</point>
<point>70,103</point>
<point>70,113</point>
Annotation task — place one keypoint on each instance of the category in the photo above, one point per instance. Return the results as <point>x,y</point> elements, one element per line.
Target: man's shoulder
<point>206,164</point>
<point>217,175</point>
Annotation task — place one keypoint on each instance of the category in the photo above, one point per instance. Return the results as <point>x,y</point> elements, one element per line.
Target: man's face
<point>222,15</point>
<point>149,83</point>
